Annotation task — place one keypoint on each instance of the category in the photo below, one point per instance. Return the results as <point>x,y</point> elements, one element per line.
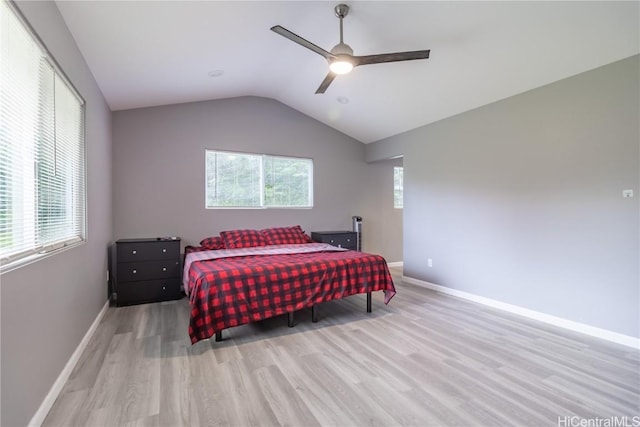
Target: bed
<point>245,276</point>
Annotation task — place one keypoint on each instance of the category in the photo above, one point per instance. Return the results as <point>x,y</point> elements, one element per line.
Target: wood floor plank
<point>602,402</point>
<point>61,415</point>
<point>283,399</point>
<point>406,408</point>
<point>325,376</point>
<point>317,394</point>
<point>426,359</point>
<point>141,398</point>
<point>557,400</point>
<point>112,379</point>
<point>86,370</point>
<point>206,396</point>
<point>244,402</point>
<point>175,385</point>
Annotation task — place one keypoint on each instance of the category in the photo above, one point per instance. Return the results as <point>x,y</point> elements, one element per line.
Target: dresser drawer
<point>341,239</point>
<point>146,270</point>
<point>148,291</point>
<point>148,250</point>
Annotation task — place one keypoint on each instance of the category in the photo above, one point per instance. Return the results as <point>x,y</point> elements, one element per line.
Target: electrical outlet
<point>627,193</point>
<point>429,263</point>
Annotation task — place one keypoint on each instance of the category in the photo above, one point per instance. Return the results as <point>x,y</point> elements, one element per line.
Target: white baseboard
<point>593,331</point>
<point>395,264</point>
<point>56,388</point>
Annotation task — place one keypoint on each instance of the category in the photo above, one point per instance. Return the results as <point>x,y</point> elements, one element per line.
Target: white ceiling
<point>147,53</point>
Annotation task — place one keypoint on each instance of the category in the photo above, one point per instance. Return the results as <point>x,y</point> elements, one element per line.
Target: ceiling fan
<point>341,58</point>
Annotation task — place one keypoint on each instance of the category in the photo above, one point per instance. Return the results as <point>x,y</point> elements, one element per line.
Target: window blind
<point>42,158</point>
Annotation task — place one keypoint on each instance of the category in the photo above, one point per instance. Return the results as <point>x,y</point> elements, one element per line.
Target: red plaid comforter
<point>233,291</point>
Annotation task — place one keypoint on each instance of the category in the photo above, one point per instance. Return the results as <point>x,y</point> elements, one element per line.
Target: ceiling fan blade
<point>326,82</point>
<point>302,42</point>
<point>391,57</point>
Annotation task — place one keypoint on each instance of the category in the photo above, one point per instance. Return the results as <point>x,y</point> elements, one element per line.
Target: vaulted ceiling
<point>147,53</point>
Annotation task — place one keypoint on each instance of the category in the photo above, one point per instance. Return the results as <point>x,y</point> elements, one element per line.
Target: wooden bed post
<point>218,336</point>
<point>368,302</point>
<point>314,313</point>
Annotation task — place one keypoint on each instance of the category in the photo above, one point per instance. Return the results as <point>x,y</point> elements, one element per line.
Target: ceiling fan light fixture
<point>341,65</point>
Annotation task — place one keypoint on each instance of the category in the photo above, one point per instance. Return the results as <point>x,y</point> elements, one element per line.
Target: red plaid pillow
<point>236,239</point>
<point>212,243</point>
<point>285,235</point>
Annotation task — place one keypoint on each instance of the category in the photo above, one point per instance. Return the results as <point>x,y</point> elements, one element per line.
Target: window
<point>42,168</point>
<point>397,187</point>
<point>240,180</point>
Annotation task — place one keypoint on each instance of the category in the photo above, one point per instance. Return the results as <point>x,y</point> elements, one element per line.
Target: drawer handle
<point>164,268</point>
<point>164,288</point>
<point>331,240</point>
<point>134,252</point>
<point>134,271</point>
<point>164,250</point>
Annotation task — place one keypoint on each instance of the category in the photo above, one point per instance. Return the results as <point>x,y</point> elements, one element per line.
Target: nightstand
<point>146,270</point>
<point>341,239</point>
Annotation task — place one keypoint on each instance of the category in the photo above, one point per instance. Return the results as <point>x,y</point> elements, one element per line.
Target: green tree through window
<point>242,180</point>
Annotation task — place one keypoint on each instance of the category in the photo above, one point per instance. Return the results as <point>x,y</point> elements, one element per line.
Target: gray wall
<point>521,200</point>
<point>48,306</point>
<point>158,171</point>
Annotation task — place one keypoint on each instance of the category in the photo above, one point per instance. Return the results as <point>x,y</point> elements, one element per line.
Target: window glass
<point>241,180</point>
<point>397,187</point>
<point>287,182</point>
<point>233,179</point>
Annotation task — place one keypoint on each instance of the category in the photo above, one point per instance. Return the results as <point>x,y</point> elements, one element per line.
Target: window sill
<point>30,259</point>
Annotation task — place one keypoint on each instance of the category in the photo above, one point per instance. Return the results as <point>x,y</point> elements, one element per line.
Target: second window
<point>242,180</point>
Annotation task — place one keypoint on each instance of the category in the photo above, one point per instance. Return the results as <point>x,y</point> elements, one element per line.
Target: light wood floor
<point>426,359</point>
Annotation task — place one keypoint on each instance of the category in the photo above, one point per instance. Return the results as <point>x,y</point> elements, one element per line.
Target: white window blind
<point>241,180</point>
<point>42,159</point>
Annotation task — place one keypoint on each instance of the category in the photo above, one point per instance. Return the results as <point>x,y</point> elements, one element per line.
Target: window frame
<point>262,182</point>
<point>78,234</point>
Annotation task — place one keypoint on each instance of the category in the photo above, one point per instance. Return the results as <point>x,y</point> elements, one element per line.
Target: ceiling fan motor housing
<point>342,49</point>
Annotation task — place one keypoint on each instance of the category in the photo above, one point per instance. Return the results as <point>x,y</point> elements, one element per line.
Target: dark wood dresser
<point>146,270</point>
<point>341,239</point>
